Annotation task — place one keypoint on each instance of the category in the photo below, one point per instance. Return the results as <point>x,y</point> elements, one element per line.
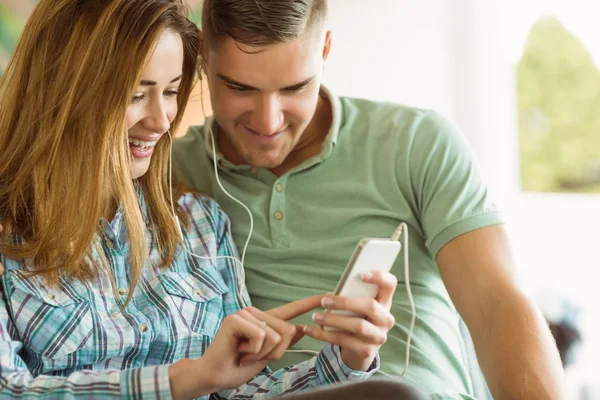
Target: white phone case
<point>369,255</point>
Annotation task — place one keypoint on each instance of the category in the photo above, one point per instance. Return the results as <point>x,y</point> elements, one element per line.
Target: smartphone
<point>369,255</point>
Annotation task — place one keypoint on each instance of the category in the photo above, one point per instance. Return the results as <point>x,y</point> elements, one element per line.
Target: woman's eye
<point>137,98</point>
<point>171,93</point>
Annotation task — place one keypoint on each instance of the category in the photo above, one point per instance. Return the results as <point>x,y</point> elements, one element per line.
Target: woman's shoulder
<point>197,201</point>
<point>11,264</point>
<point>201,207</point>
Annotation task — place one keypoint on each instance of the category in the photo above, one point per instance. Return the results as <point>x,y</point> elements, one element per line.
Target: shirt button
<point>110,244</point>
<point>198,292</point>
<point>122,291</point>
<point>279,187</point>
<point>254,170</point>
<point>51,296</point>
<point>143,328</point>
<point>278,215</point>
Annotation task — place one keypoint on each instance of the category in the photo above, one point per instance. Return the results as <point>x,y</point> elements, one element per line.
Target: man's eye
<point>296,89</point>
<point>238,89</point>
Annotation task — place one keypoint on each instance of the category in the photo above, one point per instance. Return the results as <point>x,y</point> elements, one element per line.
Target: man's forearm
<point>517,353</point>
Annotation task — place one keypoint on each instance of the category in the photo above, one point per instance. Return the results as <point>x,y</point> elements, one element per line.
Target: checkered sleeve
<point>324,369</point>
<point>16,381</point>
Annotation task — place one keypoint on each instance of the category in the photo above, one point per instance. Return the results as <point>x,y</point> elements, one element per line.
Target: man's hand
<point>359,338</point>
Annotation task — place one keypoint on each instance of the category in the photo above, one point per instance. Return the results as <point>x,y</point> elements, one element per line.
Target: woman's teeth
<point>141,143</point>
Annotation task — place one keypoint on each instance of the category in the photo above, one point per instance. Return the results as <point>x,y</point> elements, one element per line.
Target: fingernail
<point>366,276</point>
<point>317,317</point>
<point>327,302</point>
<point>307,329</point>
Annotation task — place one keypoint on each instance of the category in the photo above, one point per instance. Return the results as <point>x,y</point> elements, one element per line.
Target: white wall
<point>430,53</point>
<point>395,50</point>
<point>485,93</point>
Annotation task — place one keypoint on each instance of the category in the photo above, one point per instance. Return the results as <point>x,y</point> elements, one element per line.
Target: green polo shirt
<point>381,164</point>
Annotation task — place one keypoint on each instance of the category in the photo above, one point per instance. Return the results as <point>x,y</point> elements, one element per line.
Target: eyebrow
<point>295,86</point>
<point>144,82</point>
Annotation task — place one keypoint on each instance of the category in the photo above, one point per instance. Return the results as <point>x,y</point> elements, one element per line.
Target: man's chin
<point>266,162</point>
<point>266,165</point>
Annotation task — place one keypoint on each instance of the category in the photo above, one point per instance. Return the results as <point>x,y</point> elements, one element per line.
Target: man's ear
<point>327,45</point>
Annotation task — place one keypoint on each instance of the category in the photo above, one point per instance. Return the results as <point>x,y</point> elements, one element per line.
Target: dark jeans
<point>373,389</point>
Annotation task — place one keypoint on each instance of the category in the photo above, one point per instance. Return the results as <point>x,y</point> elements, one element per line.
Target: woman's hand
<point>358,337</point>
<point>246,342</point>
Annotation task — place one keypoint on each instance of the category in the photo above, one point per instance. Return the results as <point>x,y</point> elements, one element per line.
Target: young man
<point>320,172</point>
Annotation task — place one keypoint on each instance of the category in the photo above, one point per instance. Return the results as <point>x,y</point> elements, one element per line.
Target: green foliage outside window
<point>559,112</point>
<point>10,28</point>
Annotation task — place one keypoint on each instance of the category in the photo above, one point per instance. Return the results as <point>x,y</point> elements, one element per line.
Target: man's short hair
<point>260,22</point>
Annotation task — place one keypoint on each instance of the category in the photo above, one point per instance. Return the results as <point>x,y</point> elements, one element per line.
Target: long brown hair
<point>63,140</point>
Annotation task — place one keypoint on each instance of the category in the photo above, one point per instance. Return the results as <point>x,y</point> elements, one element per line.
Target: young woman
<point>99,298</point>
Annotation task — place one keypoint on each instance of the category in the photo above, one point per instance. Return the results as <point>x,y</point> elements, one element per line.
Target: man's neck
<point>309,145</point>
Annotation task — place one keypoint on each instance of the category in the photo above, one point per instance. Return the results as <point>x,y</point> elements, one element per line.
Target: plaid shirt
<point>72,341</point>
